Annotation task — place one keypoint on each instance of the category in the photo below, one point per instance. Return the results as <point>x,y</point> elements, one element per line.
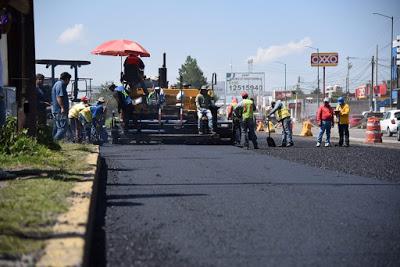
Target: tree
<point>316,91</point>
<point>191,73</point>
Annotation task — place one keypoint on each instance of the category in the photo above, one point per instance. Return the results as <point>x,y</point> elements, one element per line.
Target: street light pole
<point>391,57</point>
<point>285,79</point>
<point>317,72</point>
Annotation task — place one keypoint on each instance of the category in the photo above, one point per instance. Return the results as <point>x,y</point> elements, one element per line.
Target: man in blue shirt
<point>124,102</point>
<point>60,105</point>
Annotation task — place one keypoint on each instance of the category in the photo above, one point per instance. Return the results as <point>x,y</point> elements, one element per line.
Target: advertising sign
<point>251,82</point>
<point>325,59</point>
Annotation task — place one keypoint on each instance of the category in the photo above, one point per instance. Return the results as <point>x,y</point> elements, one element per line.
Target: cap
<point>101,100</point>
<point>84,99</point>
<point>244,94</point>
<point>340,100</point>
<point>204,87</point>
<point>157,88</point>
<point>326,99</point>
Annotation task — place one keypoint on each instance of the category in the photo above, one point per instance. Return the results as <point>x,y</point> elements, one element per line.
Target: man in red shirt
<point>134,73</point>
<point>325,122</point>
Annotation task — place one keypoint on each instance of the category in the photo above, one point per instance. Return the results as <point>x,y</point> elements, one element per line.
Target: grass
<point>30,205</point>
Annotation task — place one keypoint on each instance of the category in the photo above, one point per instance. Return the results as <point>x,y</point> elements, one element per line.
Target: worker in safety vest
<point>342,112</point>
<point>73,116</point>
<point>236,118</point>
<point>204,103</point>
<point>282,114</point>
<point>247,108</point>
<point>125,104</point>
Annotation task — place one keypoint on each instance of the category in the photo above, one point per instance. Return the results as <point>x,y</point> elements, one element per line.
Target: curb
<point>73,229</point>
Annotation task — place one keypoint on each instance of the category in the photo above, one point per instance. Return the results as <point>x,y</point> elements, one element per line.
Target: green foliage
<point>45,137</point>
<point>191,73</point>
<point>18,143</point>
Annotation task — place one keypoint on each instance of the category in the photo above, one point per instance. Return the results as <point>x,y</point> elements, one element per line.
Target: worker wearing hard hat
<point>283,115</point>
<point>73,116</point>
<point>325,122</point>
<point>247,108</point>
<point>203,104</point>
<point>342,112</point>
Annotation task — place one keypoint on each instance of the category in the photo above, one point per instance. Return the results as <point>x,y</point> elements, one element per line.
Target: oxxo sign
<point>325,59</point>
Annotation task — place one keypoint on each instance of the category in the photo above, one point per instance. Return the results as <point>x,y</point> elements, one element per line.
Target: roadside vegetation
<point>36,177</point>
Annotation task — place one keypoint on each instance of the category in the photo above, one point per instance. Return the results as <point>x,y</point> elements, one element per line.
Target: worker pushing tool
<point>283,115</point>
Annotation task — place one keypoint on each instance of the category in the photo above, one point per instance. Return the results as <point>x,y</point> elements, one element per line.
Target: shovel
<point>270,140</point>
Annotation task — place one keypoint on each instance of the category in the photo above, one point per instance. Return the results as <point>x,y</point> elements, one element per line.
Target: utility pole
<point>371,90</point>
<point>376,68</point>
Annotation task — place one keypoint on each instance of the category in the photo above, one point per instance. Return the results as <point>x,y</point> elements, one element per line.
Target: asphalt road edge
<point>74,229</point>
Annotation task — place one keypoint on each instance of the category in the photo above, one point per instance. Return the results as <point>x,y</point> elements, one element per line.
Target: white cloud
<point>73,34</point>
<point>277,51</point>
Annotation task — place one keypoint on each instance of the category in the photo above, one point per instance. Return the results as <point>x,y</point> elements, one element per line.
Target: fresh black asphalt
<point>180,205</point>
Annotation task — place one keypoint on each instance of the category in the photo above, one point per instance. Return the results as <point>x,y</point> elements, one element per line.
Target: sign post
<point>330,59</point>
<point>252,82</point>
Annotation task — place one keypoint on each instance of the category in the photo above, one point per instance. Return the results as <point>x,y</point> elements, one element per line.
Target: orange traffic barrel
<point>373,133</point>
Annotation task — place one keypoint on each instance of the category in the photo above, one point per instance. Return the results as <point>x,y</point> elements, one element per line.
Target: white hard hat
<point>326,99</point>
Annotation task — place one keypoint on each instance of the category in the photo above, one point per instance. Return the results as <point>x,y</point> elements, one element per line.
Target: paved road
<point>173,205</point>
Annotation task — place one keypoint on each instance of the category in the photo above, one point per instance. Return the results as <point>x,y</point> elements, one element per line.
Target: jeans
<point>206,112</point>
<point>343,134</point>
<point>249,133</point>
<point>61,123</point>
<point>287,131</point>
<point>325,126</point>
<point>237,131</point>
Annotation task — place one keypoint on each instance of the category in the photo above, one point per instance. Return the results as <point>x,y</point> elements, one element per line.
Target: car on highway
<point>355,120</point>
<point>389,122</point>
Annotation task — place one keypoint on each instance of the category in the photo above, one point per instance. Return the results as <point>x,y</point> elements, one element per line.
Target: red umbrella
<point>121,48</point>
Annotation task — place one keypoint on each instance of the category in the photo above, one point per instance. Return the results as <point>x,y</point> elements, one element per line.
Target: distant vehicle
<point>389,122</point>
<point>369,114</point>
<point>398,128</point>
<point>355,120</point>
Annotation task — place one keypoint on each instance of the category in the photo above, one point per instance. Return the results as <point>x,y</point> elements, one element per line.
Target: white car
<point>389,122</point>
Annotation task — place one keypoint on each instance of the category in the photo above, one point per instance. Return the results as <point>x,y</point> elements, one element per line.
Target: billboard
<point>251,82</point>
<point>325,59</point>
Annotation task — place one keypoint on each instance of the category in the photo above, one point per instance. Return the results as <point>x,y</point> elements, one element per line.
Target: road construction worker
<point>342,112</point>
<point>246,108</point>
<point>156,98</point>
<point>124,102</point>
<point>203,104</point>
<point>236,118</point>
<point>134,73</point>
<point>73,116</point>
<point>325,122</point>
<point>92,120</point>
<point>282,114</point>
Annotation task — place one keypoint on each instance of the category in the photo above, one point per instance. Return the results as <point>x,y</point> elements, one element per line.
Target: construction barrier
<point>260,126</point>
<point>271,127</point>
<point>306,131</point>
<point>373,133</point>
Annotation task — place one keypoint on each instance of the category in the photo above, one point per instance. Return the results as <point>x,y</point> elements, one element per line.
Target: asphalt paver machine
<point>173,122</point>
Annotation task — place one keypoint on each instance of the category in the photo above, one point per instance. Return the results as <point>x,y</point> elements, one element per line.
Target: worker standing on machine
<point>204,104</point>
<point>125,104</point>
<point>247,108</point>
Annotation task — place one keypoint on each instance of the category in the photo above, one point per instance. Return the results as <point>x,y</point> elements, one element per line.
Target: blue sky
<point>220,35</point>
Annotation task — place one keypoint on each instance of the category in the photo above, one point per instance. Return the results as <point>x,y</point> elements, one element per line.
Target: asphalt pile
<point>369,161</point>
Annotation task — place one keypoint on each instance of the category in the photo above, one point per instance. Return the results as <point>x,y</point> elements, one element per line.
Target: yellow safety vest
<point>247,109</point>
<point>282,113</point>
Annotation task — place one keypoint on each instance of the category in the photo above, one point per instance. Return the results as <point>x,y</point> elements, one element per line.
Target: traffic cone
<point>306,130</point>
